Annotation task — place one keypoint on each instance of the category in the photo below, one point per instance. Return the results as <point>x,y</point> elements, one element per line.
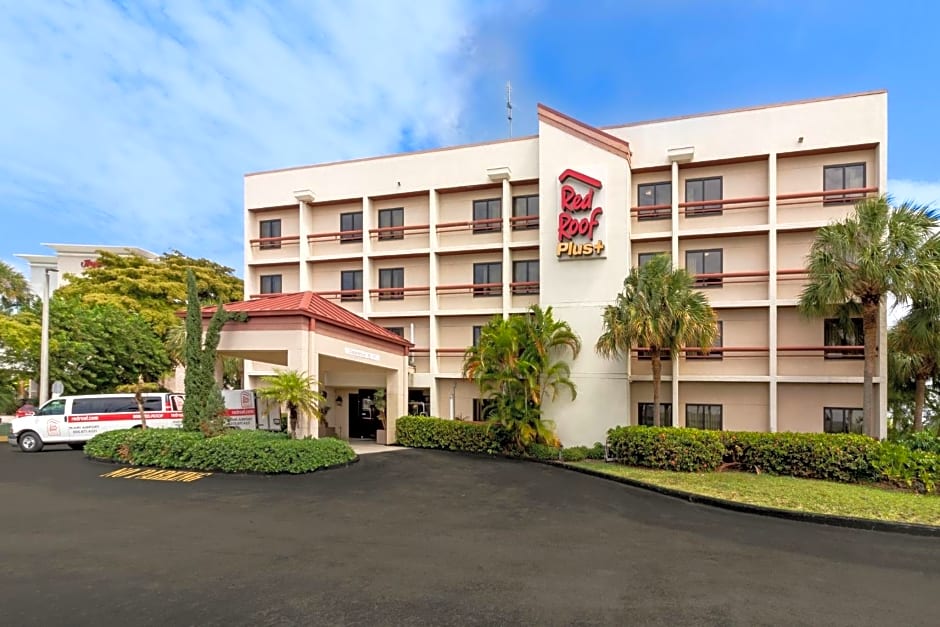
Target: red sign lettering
<point>574,219</point>
<point>90,263</point>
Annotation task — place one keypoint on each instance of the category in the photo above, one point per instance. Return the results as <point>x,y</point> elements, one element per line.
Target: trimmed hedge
<point>832,457</point>
<point>450,435</point>
<point>829,456</point>
<point>666,448</point>
<point>233,451</point>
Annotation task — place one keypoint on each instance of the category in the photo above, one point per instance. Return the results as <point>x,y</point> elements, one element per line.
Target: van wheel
<point>30,443</point>
<point>77,446</point>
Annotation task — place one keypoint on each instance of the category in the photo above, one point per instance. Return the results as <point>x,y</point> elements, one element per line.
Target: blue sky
<point>134,122</point>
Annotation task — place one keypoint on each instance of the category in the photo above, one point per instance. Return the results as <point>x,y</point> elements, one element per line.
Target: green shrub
<point>233,451</point>
<point>901,466</point>
<point>575,453</point>
<point>920,441</point>
<point>450,435</point>
<point>596,451</point>
<point>829,456</point>
<point>690,450</point>
<point>543,452</point>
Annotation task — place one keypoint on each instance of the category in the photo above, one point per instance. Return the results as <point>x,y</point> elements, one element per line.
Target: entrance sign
<point>579,220</point>
<point>355,352</point>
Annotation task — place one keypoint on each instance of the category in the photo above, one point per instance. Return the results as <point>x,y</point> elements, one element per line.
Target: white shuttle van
<point>73,420</point>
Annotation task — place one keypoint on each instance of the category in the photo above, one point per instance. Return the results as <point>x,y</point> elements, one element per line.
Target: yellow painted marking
<point>156,474</point>
<point>4,438</point>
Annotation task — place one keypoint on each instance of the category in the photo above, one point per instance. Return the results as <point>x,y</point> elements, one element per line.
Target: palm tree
<point>517,364</point>
<point>876,251</point>
<point>914,352</point>
<point>658,310</point>
<point>299,391</point>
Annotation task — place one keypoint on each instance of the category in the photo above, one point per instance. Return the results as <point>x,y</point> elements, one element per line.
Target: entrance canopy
<point>307,333</point>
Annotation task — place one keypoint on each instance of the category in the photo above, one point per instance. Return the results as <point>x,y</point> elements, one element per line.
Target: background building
<point>70,259</point>
<point>432,244</point>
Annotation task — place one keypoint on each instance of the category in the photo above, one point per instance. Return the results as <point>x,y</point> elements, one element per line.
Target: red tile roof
<point>313,306</point>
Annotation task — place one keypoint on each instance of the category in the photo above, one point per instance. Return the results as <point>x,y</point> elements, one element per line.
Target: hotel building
<point>432,244</point>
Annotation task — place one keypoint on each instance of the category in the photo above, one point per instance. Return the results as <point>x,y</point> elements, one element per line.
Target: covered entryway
<point>351,357</point>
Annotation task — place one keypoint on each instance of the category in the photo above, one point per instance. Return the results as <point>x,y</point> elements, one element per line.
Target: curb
<point>867,524</point>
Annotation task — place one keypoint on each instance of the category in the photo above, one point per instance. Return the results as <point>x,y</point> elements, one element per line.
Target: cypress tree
<point>194,381</point>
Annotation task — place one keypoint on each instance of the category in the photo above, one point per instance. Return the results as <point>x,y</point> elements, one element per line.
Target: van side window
<point>153,403</point>
<point>118,405</point>
<point>83,406</point>
<point>53,408</point>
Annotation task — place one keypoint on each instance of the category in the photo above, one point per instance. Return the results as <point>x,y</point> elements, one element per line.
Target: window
<point>350,225</point>
<point>392,277</point>
<point>525,272</point>
<point>664,355</point>
<point>705,262</point>
<point>351,285</point>
<point>712,354</point>
<point>838,333</point>
<point>270,228</point>
<point>848,176</point>
<point>703,416</point>
<point>643,258</point>
<point>489,278</point>
<point>843,420</point>
<point>703,189</point>
<point>489,209</point>
<point>391,218</point>
<point>152,403</point>
<point>654,195</point>
<point>477,332</point>
<point>399,331</point>
<point>483,408</point>
<point>270,283</point>
<point>53,408</point>
<point>525,207</point>
<point>645,414</point>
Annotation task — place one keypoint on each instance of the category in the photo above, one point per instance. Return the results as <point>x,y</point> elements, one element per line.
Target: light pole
<point>44,348</point>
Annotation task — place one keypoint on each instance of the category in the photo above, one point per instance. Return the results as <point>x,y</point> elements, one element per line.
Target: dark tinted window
<point>843,420</point>
<point>525,272</point>
<point>269,229</point>
<point>527,209</point>
<point>653,195</point>
<point>270,283</point>
<point>645,414</point>
<point>389,218</point>
<point>838,333</point>
<point>389,278</point>
<point>705,262</point>
<point>488,273</point>
<point>350,281</point>
<point>848,176</point>
<point>489,209</point>
<point>350,222</point>
<point>703,189</point>
<point>703,416</point>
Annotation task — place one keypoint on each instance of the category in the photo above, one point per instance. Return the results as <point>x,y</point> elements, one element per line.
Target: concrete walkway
<point>367,447</point>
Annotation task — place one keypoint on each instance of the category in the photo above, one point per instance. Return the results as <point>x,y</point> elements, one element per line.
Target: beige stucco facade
<point>765,171</point>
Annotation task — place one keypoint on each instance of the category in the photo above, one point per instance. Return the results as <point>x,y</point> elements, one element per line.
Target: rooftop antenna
<point>509,105</point>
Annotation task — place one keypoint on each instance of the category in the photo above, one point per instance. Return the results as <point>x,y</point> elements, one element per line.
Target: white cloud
<point>141,121</point>
<point>921,192</point>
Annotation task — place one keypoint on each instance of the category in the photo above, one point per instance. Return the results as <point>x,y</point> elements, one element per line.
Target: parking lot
<point>426,538</point>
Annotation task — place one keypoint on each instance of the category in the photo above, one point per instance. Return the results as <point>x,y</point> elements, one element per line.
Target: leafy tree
<point>138,389</point>
<point>858,262</point>
<point>516,365</point>
<point>299,392</point>
<point>175,344</point>
<point>914,353</point>
<point>658,310</point>
<point>156,289</point>
<point>14,289</point>
<point>204,406</point>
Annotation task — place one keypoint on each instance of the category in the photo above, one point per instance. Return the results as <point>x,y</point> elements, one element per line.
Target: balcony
<point>392,239</point>
<point>400,299</point>
<point>274,248</point>
<point>819,207</point>
<point>450,360</point>
<point>471,234</point>
<point>336,244</point>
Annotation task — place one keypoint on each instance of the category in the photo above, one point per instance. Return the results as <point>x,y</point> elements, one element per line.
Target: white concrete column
<point>433,304</point>
<point>303,247</point>
<point>882,390</point>
<point>678,417</point>
<point>366,256</point>
<point>507,256</point>
<point>772,286</point>
<point>396,399</point>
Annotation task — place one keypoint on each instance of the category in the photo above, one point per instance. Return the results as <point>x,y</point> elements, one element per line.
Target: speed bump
<point>156,474</point>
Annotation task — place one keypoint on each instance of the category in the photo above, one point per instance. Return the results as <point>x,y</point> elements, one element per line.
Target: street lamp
<point>44,348</point>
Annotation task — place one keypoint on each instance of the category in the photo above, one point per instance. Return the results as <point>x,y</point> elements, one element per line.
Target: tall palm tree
<point>299,391</point>
<point>658,310</point>
<point>518,363</point>
<point>876,251</point>
<point>914,352</point>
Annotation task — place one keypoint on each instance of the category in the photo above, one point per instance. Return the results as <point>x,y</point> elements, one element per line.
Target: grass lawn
<point>805,495</point>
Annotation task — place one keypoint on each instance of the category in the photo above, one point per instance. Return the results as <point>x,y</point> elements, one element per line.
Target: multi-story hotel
<point>432,244</point>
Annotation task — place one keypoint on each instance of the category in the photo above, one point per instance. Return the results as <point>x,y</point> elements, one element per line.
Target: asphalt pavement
<point>426,538</point>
